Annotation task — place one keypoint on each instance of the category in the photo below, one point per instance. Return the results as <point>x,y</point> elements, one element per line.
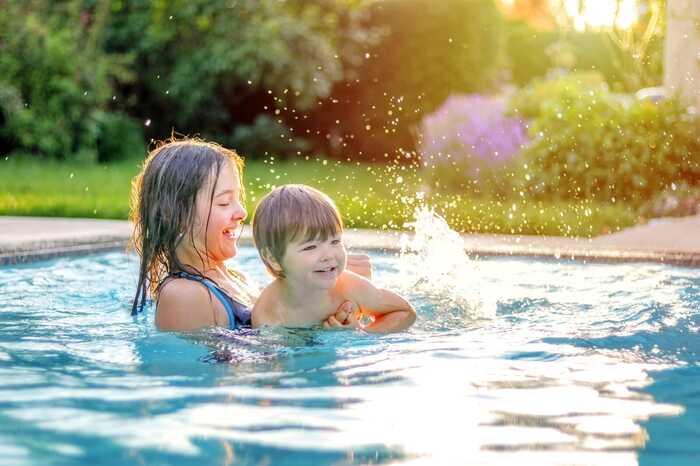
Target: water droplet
<point>147,122</point>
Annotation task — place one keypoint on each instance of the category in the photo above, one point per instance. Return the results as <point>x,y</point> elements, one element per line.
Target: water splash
<point>434,265</point>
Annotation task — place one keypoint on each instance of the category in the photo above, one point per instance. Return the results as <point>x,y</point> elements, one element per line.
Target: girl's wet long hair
<point>163,206</point>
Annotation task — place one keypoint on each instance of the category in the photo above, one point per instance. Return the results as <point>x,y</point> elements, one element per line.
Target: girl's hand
<point>360,264</point>
<point>346,317</point>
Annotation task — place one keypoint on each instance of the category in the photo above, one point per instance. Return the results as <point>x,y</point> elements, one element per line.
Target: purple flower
<point>472,129</point>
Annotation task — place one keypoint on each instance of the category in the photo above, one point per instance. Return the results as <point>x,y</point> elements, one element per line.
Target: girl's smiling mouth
<point>230,233</point>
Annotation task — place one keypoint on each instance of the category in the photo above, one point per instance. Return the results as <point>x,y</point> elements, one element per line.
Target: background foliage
<point>426,51</point>
<point>84,81</point>
<point>324,71</point>
<point>56,78</point>
<point>591,144</point>
<point>348,78</point>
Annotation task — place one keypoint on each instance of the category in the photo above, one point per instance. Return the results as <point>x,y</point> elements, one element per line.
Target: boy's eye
<point>309,247</point>
<point>224,204</point>
<point>335,241</point>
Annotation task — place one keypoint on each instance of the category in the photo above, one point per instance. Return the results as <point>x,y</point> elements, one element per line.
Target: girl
<point>188,213</point>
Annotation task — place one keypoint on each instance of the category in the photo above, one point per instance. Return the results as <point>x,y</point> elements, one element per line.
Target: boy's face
<point>314,263</point>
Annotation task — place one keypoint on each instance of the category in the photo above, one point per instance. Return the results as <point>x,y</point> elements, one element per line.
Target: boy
<point>298,232</point>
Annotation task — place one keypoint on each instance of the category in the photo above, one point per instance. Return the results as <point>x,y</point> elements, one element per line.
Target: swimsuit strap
<point>227,301</point>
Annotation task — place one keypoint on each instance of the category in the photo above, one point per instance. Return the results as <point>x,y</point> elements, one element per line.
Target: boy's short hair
<point>290,212</point>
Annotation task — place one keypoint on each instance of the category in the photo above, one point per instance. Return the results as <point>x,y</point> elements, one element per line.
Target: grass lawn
<point>369,196</point>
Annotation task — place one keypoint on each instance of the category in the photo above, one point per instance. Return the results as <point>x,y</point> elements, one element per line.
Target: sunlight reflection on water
<point>512,361</point>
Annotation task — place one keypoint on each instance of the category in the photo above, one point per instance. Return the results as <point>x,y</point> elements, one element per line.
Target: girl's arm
<point>360,264</point>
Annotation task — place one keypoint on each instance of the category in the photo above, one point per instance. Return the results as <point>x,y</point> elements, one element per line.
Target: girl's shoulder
<point>174,287</point>
<point>183,305</point>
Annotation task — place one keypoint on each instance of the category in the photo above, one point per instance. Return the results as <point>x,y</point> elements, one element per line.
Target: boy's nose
<point>326,253</point>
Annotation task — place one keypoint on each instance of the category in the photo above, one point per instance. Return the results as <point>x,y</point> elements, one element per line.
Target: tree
<point>207,66</point>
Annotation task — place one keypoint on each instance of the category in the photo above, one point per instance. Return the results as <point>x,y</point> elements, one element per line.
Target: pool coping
<point>669,241</point>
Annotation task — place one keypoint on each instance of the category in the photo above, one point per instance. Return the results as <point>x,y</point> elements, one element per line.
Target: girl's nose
<point>239,213</point>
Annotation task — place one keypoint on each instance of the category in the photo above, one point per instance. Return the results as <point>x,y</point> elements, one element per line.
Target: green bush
<point>626,64</point>
<point>525,49</point>
<point>591,144</point>
<point>212,65</point>
<point>531,53</point>
<point>119,137</point>
<point>530,101</point>
<point>267,137</point>
<point>54,76</point>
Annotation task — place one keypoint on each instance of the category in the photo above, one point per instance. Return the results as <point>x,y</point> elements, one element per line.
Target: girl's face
<point>219,238</point>
<point>314,263</point>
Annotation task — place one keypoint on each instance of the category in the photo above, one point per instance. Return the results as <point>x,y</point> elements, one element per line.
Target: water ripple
<point>510,361</point>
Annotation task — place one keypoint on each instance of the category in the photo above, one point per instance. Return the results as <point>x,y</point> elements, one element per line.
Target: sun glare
<point>602,13</point>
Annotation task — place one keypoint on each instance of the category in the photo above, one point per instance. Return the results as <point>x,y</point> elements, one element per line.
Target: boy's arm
<point>391,312</point>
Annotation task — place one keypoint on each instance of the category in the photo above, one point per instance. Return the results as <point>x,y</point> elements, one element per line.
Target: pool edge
<point>36,239</point>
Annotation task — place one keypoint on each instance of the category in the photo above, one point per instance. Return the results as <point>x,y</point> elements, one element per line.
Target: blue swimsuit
<point>238,313</point>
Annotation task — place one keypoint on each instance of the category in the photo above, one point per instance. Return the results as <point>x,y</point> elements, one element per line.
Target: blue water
<point>511,361</point>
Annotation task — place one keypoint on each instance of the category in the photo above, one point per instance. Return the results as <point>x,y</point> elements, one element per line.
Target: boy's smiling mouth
<point>326,269</point>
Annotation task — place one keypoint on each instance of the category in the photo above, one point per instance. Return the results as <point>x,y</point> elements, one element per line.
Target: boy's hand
<point>360,264</point>
<point>344,318</point>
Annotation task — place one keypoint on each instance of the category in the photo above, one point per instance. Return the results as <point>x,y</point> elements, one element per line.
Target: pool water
<point>511,361</point>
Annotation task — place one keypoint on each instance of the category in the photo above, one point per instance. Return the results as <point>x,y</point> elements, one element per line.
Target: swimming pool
<point>511,361</point>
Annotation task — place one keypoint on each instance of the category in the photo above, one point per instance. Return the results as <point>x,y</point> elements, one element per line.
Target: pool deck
<point>668,240</point>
